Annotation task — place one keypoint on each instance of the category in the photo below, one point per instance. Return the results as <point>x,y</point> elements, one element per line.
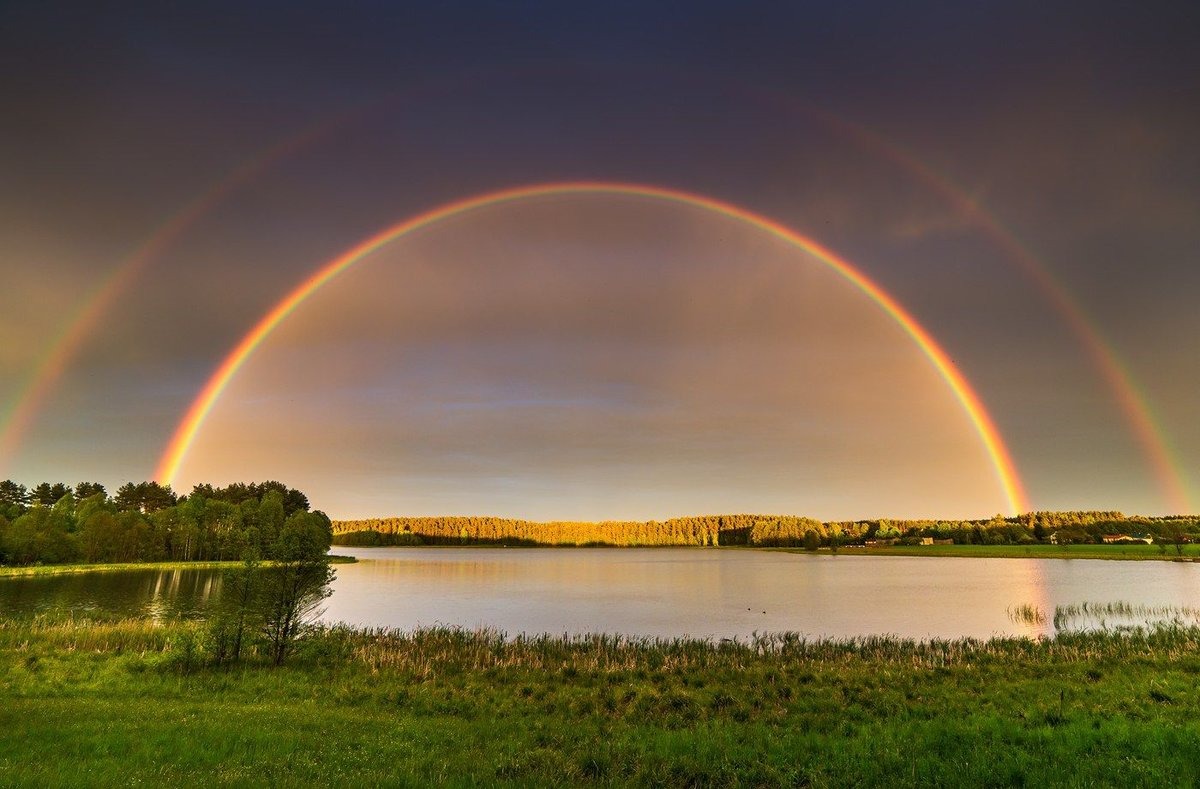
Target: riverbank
<point>131,702</point>
<point>1116,552</point>
<point>71,569</point>
<point>1190,553</point>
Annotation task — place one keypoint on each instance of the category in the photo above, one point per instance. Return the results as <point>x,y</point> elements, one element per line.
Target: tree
<point>145,497</point>
<point>85,490</point>
<point>236,610</point>
<point>14,496</point>
<point>1176,536</point>
<point>46,494</point>
<point>811,540</point>
<point>836,538</point>
<point>297,581</point>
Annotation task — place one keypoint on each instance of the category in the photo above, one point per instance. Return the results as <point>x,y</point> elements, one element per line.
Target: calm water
<point>658,591</point>
<point>161,594</point>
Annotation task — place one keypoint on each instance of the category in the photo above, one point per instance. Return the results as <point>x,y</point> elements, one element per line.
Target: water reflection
<point>673,592</point>
<point>157,594</point>
<point>657,592</point>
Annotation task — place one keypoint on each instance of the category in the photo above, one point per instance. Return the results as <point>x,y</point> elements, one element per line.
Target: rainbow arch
<point>185,433</point>
<point>17,417</point>
<point>1131,398</point>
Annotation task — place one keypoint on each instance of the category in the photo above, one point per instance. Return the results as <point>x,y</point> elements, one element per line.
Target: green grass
<point>69,569</point>
<point>1021,551</point>
<point>126,703</point>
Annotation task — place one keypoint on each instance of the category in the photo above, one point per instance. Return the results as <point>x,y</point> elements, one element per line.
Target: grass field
<point>128,703</point>
<point>1190,552</point>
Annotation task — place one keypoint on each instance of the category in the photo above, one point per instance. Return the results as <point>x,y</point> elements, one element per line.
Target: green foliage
<point>148,522</point>
<point>144,522</point>
<point>145,497</point>
<point>134,704</point>
<point>86,490</point>
<point>290,499</point>
<point>47,494</point>
<point>14,495</point>
<point>294,586</point>
<point>236,615</point>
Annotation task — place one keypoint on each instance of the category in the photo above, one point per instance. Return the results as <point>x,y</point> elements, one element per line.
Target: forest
<point>766,530</point>
<point>54,523</point>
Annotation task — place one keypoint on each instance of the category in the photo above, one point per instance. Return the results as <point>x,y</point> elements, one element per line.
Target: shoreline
<point>965,551</point>
<point>33,570</point>
<point>1069,552</point>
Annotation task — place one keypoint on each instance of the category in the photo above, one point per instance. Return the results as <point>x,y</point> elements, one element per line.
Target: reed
<point>88,702</point>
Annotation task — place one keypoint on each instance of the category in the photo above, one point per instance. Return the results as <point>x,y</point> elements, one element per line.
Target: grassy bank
<point>68,569</point>
<point>130,702</point>
<point>1125,552</point>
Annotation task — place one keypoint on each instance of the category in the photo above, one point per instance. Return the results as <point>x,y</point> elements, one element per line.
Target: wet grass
<point>127,702</point>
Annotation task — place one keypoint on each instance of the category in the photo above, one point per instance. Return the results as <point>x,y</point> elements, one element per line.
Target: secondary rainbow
<point>192,421</point>
<point>1133,402</point>
<point>66,344</point>
<point>1130,398</point>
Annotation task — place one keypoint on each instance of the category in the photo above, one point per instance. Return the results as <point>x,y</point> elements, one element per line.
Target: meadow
<point>136,702</point>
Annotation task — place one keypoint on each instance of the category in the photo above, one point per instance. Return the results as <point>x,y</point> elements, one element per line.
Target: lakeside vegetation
<point>1030,529</point>
<point>1132,552</point>
<point>27,571</point>
<point>258,693</point>
<point>31,570</point>
<point>272,593</point>
<point>54,524</point>
<point>133,701</point>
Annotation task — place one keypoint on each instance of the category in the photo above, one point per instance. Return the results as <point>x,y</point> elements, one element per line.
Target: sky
<point>1022,182</point>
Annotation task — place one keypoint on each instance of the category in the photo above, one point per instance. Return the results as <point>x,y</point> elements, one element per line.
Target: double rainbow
<point>18,416</point>
<point>185,433</point>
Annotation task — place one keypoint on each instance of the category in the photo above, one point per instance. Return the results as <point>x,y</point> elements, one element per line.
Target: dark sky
<point>929,144</point>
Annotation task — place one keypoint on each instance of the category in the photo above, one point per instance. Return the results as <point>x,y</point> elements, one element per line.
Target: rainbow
<point>52,363</point>
<point>1133,403</point>
<point>1131,400</point>
<point>185,433</point>
<point>63,347</point>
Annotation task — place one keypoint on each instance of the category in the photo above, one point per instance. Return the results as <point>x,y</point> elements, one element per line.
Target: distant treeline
<point>765,530</point>
<point>145,522</point>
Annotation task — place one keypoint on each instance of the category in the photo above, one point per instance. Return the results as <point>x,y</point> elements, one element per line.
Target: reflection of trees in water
<point>158,594</point>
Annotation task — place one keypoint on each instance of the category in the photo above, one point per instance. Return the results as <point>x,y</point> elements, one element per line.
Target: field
<point>133,702</point>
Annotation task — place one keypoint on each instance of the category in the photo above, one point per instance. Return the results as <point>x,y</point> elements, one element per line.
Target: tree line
<point>764,530</point>
<point>53,523</point>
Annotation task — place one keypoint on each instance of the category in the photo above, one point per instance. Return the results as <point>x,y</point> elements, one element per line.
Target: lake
<point>658,591</point>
